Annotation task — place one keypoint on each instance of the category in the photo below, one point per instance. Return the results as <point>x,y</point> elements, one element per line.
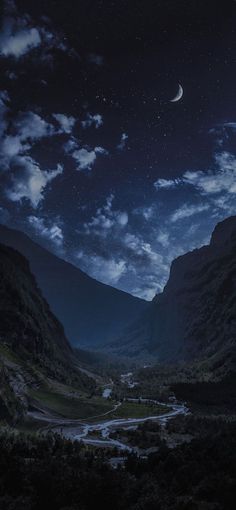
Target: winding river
<point>102,430</point>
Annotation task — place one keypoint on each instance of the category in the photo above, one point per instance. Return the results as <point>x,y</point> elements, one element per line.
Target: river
<point>101,430</point>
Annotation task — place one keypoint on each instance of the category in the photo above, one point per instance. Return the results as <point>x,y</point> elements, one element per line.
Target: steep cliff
<point>195,316</point>
<point>33,346</point>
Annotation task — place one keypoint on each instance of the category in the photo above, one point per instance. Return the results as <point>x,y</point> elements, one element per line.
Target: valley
<point>94,419</point>
<point>96,430</point>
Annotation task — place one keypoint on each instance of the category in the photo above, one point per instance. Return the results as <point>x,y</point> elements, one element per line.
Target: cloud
<point>85,157</point>
<point>221,179</point>
<point>20,36</point>
<point>27,179</point>
<point>95,120</point>
<point>163,238</point>
<point>11,146</point>
<point>66,122</point>
<point>106,219</point>
<point>24,177</point>
<point>107,270</point>
<point>147,212</point>
<point>28,128</point>
<point>166,183</point>
<point>30,125</point>
<point>141,249</point>
<point>121,145</point>
<point>16,42</point>
<point>185,211</point>
<point>30,181</point>
<point>52,232</point>
<point>223,132</point>
<point>111,249</point>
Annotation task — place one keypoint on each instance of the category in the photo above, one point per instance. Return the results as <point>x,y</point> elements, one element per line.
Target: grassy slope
<point>70,407</point>
<point>136,410</point>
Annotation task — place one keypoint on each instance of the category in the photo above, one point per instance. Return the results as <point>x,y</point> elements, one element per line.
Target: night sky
<point>97,163</point>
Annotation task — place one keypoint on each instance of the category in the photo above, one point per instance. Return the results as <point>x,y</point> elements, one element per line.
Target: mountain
<point>33,346</point>
<point>92,313</point>
<point>195,315</point>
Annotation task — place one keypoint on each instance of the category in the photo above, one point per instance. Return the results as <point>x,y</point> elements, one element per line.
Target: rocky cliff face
<point>195,316</point>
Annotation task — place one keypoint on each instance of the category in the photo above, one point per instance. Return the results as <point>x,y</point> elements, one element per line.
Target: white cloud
<point>28,128</point>
<point>87,157</point>
<point>30,181</point>
<point>16,42</point>
<point>11,146</point>
<point>146,212</point>
<point>20,35</point>
<point>121,145</point>
<point>185,211</point>
<point>109,270</point>
<point>52,232</point>
<point>163,239</point>
<point>106,219</point>
<point>166,183</point>
<point>141,248</point>
<point>221,179</point>
<point>25,178</point>
<point>30,125</point>
<point>71,145</point>
<point>146,293</point>
<point>95,120</point>
<point>84,158</point>
<point>66,122</point>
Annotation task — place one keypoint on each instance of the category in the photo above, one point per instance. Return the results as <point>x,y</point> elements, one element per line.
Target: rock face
<point>195,316</point>
<point>91,312</point>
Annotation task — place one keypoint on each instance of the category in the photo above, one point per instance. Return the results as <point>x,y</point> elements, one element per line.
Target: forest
<point>49,472</point>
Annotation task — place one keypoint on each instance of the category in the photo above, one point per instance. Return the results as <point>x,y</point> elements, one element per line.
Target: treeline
<point>210,397</point>
<point>56,474</point>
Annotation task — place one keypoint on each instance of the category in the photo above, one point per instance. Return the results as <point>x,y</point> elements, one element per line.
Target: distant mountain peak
<point>91,312</point>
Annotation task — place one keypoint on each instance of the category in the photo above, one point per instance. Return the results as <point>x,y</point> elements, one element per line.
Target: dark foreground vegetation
<point>56,474</point>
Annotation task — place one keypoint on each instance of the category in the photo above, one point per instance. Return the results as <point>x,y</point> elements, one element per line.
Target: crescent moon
<point>179,95</point>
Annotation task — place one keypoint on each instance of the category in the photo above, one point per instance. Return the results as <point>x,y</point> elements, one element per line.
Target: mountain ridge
<point>194,317</point>
<point>74,296</point>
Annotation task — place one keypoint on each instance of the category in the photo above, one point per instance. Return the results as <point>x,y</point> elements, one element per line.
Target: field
<point>70,407</point>
<point>138,410</point>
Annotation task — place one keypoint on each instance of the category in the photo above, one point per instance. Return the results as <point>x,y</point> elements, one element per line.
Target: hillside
<point>91,312</point>
<point>33,346</point>
<point>195,316</point>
